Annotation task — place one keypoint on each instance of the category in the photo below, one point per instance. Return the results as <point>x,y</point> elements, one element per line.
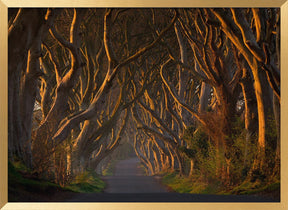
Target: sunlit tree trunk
<point>191,168</point>
<point>204,97</point>
<point>205,90</point>
<point>29,88</point>
<point>260,159</point>
<point>42,140</point>
<point>250,109</point>
<point>172,159</point>
<point>182,74</point>
<point>276,104</point>
<point>276,171</point>
<point>27,23</point>
<point>27,98</point>
<point>251,54</point>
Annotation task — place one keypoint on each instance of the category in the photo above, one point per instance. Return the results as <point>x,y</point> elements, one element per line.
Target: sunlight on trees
<point>193,91</point>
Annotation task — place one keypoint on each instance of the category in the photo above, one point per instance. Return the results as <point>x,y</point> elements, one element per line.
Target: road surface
<point>129,184</point>
<point>129,178</point>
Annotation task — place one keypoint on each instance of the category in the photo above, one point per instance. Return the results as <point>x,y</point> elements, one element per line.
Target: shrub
<point>202,150</point>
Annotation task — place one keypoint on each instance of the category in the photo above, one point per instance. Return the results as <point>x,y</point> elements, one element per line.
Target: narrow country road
<point>129,178</point>
<point>129,184</point>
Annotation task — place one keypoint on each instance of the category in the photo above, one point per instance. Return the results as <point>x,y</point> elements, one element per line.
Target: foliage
<point>190,185</point>
<point>18,165</point>
<point>242,154</point>
<point>240,165</point>
<point>24,185</point>
<point>109,170</point>
<point>204,151</point>
<point>198,186</point>
<point>87,182</point>
<point>248,188</point>
<point>271,136</point>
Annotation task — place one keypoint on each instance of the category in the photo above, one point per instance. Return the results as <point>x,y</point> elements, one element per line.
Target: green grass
<point>194,185</point>
<point>19,166</point>
<point>182,184</point>
<point>16,179</point>
<point>22,185</point>
<point>249,188</point>
<point>25,188</point>
<point>87,182</point>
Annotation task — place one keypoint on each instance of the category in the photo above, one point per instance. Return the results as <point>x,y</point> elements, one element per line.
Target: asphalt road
<point>129,184</point>
<point>129,178</point>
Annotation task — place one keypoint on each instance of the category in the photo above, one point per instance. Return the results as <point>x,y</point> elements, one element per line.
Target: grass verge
<point>23,186</point>
<point>87,182</point>
<point>248,188</point>
<point>196,186</point>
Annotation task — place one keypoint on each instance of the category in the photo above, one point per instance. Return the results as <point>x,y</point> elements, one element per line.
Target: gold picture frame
<point>5,4</point>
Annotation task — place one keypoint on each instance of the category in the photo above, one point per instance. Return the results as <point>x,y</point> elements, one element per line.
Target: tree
<point>173,80</point>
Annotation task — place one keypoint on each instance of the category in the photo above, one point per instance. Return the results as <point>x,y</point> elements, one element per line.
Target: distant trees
<point>185,86</point>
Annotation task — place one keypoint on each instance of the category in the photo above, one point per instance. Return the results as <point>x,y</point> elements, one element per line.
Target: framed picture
<point>172,104</point>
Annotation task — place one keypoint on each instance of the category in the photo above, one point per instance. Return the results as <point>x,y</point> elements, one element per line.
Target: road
<point>129,178</point>
<point>129,184</point>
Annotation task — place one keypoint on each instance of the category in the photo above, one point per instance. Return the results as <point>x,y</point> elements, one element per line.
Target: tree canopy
<point>196,91</point>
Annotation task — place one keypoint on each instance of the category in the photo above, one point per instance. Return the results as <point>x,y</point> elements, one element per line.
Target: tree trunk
<point>260,158</point>
<point>183,76</point>
<point>204,97</point>
<point>27,25</point>
<point>230,28</point>
<point>204,92</point>
<point>250,110</point>
<point>42,139</point>
<point>276,171</point>
<point>191,168</point>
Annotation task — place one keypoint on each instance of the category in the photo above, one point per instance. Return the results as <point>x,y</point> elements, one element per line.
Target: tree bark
<point>27,23</point>
<point>230,28</point>
<point>60,105</point>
